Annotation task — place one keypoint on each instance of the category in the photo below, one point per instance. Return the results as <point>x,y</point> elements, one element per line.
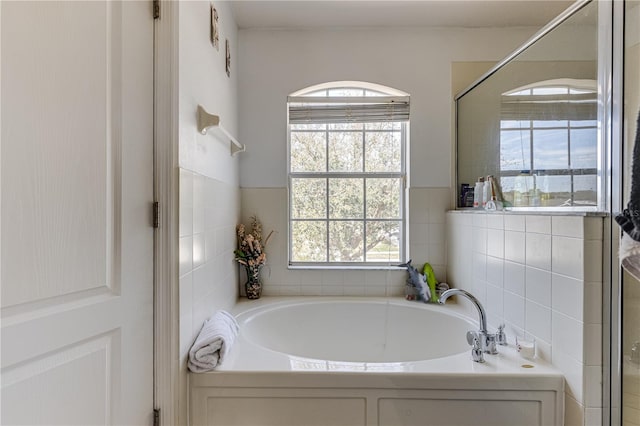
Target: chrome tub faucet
<point>481,341</point>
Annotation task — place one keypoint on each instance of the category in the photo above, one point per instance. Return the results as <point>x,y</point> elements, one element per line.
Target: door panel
<point>58,144</point>
<point>77,186</point>
<point>77,373</point>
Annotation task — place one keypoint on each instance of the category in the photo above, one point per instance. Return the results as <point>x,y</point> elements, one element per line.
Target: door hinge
<point>156,9</point>
<point>156,214</point>
<point>156,417</point>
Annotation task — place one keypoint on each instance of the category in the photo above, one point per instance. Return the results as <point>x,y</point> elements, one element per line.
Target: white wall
<point>209,206</point>
<point>418,61</point>
<point>542,276</point>
<point>203,80</point>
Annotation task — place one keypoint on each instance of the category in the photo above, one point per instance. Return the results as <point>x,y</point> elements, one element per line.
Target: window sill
<point>348,267</point>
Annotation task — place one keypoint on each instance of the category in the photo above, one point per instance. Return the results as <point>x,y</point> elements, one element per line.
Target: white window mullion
<point>404,188</point>
<point>571,171</point>
<point>364,218</point>
<point>326,201</point>
<point>326,147</point>
<point>531,165</point>
<point>328,228</point>
<point>364,196</point>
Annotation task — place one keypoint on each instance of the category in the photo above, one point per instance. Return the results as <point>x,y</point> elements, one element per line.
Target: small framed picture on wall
<point>215,36</point>
<point>228,61</point>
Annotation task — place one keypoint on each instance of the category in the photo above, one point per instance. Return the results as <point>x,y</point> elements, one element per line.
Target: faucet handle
<point>477,354</point>
<point>471,336</point>
<point>490,341</point>
<point>501,336</point>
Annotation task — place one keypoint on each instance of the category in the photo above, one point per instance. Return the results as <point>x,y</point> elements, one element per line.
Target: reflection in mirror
<point>532,123</point>
<point>548,144</point>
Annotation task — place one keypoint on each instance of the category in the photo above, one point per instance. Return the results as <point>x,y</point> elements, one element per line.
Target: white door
<point>75,225</point>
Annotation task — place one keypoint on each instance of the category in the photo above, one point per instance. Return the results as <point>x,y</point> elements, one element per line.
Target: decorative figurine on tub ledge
<point>422,287</point>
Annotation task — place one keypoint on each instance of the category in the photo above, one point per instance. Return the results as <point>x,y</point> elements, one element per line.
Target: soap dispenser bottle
<point>486,191</point>
<point>478,200</point>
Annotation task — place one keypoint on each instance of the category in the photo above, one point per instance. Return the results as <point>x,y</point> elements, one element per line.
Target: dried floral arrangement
<point>250,252</point>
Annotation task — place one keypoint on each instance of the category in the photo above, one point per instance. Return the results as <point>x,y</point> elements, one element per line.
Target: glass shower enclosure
<point>629,333</point>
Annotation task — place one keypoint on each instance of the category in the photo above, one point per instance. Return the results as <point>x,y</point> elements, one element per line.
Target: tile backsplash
<point>209,210</point>
<point>427,207</point>
<point>541,275</point>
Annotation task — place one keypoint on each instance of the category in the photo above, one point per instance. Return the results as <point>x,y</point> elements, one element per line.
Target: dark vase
<point>253,286</point>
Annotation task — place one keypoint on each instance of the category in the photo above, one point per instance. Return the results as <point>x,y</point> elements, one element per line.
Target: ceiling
<point>395,13</point>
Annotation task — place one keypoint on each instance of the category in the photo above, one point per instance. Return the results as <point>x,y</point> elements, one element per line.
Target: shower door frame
<point>613,32</point>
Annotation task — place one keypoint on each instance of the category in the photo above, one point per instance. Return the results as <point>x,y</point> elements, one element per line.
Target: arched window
<point>347,175</point>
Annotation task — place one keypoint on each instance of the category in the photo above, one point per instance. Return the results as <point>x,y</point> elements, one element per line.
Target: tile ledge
<point>530,212</point>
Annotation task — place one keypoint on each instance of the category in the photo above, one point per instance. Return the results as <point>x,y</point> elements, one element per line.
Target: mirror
<point>532,121</point>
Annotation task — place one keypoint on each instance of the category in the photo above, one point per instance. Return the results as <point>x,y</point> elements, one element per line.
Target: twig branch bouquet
<point>250,254</point>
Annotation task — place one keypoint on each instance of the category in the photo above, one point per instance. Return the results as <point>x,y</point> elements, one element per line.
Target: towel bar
<point>207,121</point>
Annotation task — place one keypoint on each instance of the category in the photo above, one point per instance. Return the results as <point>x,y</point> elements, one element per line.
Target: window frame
<point>402,175</point>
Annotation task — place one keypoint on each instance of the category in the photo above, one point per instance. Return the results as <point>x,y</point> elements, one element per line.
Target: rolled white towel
<point>213,343</point>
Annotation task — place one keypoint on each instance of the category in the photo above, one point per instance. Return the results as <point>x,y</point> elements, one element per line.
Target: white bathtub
<point>368,361</point>
<point>364,331</point>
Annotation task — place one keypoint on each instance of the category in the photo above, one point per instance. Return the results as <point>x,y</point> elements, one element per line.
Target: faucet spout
<point>482,316</point>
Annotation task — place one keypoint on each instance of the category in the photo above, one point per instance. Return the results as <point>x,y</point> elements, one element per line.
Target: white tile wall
<point>209,211</point>
<point>567,296</point>
<point>495,301</point>
<point>573,413</point>
<point>514,223</point>
<point>514,246</point>
<point>593,302</point>
<point>538,250</point>
<point>567,336</point>
<point>573,372</point>
<point>593,386</point>
<point>568,256</point>
<point>538,286</point>
<point>514,311</point>
<point>495,242</point>
<point>495,271</point>
<point>495,222</point>
<point>593,344</point>
<point>479,235</point>
<point>514,277</point>
<point>567,226</point>
<point>538,321</point>
<point>427,207</point>
<point>593,417</point>
<point>542,276</point>
<point>539,224</point>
